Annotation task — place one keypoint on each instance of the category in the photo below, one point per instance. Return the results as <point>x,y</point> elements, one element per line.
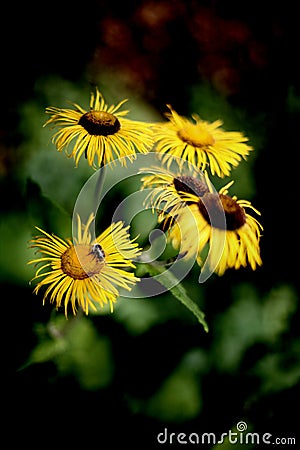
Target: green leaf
<point>167,279</point>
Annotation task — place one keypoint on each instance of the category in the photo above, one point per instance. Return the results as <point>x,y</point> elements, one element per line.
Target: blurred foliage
<point>76,349</point>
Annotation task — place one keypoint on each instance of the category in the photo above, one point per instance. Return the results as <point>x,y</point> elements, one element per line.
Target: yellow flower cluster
<point>89,272</point>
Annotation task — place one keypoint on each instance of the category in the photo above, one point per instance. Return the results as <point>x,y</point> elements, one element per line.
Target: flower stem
<point>100,181</point>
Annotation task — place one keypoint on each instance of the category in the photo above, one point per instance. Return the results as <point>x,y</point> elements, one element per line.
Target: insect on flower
<point>85,273</point>
<point>98,252</point>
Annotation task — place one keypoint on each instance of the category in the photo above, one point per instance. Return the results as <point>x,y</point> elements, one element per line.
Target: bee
<point>97,252</point>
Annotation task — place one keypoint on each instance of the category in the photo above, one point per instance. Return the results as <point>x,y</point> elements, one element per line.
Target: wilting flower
<point>87,272</point>
<point>220,221</point>
<point>102,134</point>
<point>170,192</point>
<point>201,143</point>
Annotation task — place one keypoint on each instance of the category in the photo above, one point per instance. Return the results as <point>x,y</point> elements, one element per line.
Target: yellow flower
<point>223,223</point>
<point>201,143</point>
<point>102,134</point>
<point>88,272</point>
<point>220,221</point>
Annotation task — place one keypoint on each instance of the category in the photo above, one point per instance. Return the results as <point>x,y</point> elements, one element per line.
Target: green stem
<point>100,181</point>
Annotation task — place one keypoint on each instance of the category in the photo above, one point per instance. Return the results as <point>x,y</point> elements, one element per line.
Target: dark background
<point>236,61</point>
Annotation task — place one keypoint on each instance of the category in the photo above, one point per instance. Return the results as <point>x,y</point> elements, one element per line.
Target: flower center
<point>99,123</point>
<point>214,206</point>
<point>82,261</point>
<point>190,185</point>
<point>195,136</point>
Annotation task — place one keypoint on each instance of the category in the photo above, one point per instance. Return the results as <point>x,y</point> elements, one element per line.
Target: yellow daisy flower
<point>102,134</point>
<point>201,143</point>
<point>88,272</point>
<point>225,224</point>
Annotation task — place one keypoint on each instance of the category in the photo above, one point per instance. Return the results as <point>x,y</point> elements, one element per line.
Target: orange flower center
<point>82,261</point>
<point>99,123</point>
<point>196,136</point>
<point>214,206</point>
